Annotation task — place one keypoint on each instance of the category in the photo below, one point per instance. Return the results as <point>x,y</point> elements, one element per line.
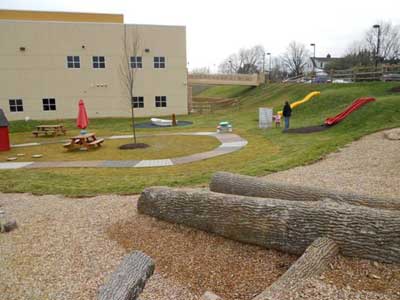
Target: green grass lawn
<point>268,150</point>
<point>160,147</point>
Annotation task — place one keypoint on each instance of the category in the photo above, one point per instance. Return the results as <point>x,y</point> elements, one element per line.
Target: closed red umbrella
<point>82,122</point>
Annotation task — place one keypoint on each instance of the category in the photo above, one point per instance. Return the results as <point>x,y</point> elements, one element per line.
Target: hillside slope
<point>268,150</point>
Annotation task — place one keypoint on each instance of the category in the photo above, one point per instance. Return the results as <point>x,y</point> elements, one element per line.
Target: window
<point>99,62</point>
<point>137,102</point>
<point>159,62</point>
<point>16,105</point>
<point>161,101</point>
<point>136,62</point>
<point>73,62</point>
<point>49,104</point>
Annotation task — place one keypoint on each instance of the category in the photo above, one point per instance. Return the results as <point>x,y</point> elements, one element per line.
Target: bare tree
<point>246,61</point>
<point>295,58</point>
<point>389,41</point>
<point>278,69</point>
<point>128,67</point>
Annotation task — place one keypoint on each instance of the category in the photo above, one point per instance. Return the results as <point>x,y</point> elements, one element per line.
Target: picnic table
<point>53,130</point>
<point>83,141</point>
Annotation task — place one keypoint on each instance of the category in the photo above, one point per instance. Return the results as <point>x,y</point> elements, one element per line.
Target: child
<point>277,119</point>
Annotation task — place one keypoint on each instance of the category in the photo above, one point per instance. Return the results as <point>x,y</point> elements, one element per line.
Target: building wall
<point>40,71</point>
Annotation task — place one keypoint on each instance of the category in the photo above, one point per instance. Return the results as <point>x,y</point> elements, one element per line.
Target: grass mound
<point>267,151</point>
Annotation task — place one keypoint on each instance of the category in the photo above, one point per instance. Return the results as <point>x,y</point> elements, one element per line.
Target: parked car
<point>321,78</point>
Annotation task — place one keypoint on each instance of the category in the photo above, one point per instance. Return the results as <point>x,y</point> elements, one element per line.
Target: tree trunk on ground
<point>128,281</point>
<point>289,226</point>
<point>228,183</point>
<point>312,263</point>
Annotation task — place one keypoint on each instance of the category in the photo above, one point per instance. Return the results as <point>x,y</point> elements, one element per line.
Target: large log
<point>128,281</point>
<point>228,183</point>
<point>312,263</point>
<point>289,226</point>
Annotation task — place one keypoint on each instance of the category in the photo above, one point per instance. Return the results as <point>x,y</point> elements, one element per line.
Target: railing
<point>382,72</point>
<point>240,79</point>
<point>208,105</point>
<point>356,74</point>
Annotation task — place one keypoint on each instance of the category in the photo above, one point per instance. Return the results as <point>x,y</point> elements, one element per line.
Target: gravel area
<point>65,247</point>
<point>368,166</point>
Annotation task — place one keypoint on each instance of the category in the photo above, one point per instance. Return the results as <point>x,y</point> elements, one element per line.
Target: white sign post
<point>265,117</point>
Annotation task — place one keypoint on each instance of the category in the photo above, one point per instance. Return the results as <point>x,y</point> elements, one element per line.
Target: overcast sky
<point>217,28</point>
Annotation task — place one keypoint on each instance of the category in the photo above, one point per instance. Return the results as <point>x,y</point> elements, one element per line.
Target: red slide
<point>352,107</point>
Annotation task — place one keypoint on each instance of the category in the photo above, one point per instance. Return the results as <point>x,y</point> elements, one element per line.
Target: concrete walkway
<point>229,143</point>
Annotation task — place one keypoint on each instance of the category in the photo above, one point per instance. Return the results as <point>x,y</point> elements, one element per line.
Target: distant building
<point>50,60</point>
<point>322,62</point>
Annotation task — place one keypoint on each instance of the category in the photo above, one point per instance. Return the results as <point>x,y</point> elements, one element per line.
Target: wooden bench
<point>49,130</point>
<point>96,142</point>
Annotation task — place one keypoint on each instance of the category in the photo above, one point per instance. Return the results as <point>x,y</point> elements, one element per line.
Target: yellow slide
<point>305,99</point>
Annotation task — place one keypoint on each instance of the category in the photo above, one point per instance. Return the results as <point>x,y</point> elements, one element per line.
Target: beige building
<point>48,61</point>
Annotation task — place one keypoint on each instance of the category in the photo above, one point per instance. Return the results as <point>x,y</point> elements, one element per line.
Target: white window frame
<point>138,101</point>
<point>98,64</point>
<point>159,62</point>
<point>160,101</point>
<point>48,104</point>
<point>16,105</point>
<point>136,62</point>
<point>73,62</point>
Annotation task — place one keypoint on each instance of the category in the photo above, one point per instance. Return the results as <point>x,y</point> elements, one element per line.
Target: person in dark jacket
<point>287,112</point>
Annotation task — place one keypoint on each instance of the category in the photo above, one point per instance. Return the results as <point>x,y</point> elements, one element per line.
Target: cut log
<point>312,263</point>
<point>228,183</point>
<point>128,281</point>
<point>289,226</point>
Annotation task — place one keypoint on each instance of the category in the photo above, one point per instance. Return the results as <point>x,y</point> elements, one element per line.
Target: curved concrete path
<point>229,143</point>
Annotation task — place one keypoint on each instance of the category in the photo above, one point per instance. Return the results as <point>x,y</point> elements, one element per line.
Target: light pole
<point>269,69</point>
<point>263,66</point>
<point>231,68</point>
<point>378,43</point>
<point>314,63</point>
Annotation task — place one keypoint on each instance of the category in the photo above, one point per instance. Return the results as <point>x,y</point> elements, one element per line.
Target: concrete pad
<point>118,163</point>
<point>116,137</point>
<point>154,163</point>
<point>234,144</point>
<point>14,165</point>
<point>25,145</point>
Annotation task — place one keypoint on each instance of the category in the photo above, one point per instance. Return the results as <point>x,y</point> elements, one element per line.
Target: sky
<point>217,28</point>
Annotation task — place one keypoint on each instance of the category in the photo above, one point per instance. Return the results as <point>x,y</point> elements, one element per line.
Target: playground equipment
<point>352,107</point>
<point>4,134</point>
<point>224,126</point>
<point>304,100</point>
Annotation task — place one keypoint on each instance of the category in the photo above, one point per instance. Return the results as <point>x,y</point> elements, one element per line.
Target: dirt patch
<point>203,261</point>
<point>309,129</point>
<point>395,89</point>
<point>133,146</point>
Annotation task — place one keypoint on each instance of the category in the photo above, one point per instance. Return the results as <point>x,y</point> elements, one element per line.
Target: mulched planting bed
<point>133,146</point>
<point>203,261</point>
<point>309,129</point>
<point>151,125</point>
<point>395,89</point>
